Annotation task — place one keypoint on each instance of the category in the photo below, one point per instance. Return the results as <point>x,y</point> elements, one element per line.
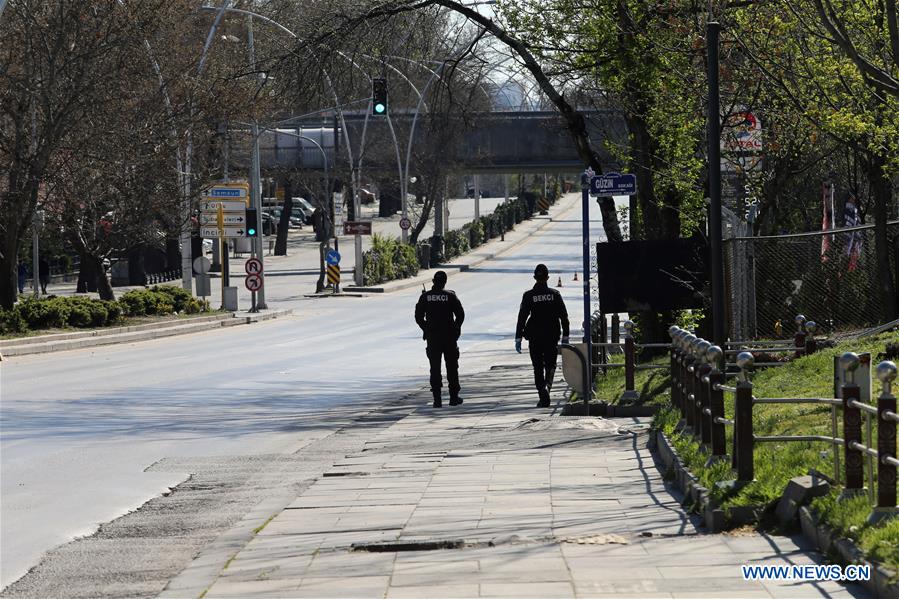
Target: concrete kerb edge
<point>822,537</point>
<point>167,330</point>
<point>462,267</point>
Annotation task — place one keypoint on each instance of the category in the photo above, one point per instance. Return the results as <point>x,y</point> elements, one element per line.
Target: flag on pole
<point>855,238</point>
<point>827,219</point>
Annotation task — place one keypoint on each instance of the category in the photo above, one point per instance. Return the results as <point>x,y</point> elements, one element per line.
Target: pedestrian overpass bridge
<point>495,142</point>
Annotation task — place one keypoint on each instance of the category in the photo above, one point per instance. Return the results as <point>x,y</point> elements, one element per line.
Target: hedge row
<point>55,312</point>
<point>388,259</point>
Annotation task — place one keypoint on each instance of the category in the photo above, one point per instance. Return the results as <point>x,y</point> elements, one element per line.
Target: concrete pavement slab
<point>510,509</point>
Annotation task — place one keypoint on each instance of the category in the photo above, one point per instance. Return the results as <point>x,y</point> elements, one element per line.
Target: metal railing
<point>697,391</point>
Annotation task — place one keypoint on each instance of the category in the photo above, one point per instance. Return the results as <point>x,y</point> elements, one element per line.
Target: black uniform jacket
<point>439,314</point>
<point>546,310</point>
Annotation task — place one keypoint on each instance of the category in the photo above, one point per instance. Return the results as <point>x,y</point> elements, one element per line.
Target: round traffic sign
<point>253,266</point>
<point>405,223</point>
<point>333,257</point>
<point>202,265</point>
<point>253,282</point>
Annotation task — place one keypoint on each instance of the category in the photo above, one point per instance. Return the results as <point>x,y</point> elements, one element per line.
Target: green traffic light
<point>380,108</point>
<point>251,231</point>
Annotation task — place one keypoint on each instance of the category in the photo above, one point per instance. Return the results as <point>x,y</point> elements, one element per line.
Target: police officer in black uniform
<point>539,317</point>
<point>439,313</point>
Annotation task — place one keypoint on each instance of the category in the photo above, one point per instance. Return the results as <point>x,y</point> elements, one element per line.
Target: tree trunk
<point>882,190</point>
<point>102,280</point>
<point>284,222</point>
<point>87,275</point>
<point>9,290</point>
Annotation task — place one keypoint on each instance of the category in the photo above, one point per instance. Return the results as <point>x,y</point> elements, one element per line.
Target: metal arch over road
<point>495,142</point>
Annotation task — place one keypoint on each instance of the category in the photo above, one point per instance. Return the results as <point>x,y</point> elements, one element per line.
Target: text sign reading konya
<point>613,184</point>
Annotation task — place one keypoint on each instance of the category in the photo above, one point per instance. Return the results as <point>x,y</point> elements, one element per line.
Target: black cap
<point>541,272</point>
<point>440,278</point>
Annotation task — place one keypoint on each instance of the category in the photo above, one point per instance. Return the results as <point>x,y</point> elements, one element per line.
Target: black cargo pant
<point>449,352</point>
<point>543,357</point>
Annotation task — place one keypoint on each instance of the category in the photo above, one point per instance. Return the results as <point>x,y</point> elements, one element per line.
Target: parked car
<point>307,207</point>
<point>295,220</point>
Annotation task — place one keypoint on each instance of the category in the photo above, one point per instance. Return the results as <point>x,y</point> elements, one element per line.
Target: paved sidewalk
<point>493,498</point>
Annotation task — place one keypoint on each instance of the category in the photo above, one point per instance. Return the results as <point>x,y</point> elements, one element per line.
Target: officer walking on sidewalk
<point>539,317</point>
<point>439,313</point>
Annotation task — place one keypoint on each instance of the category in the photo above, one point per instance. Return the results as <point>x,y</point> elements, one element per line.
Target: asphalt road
<point>232,416</point>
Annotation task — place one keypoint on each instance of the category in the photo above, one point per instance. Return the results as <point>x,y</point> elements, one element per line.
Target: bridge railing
<point>697,392</point>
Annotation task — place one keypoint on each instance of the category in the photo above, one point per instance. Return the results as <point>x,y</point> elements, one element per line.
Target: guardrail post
<point>852,429</point>
<point>630,394</point>
<point>689,390</point>
<point>716,404</point>
<point>886,446</point>
<point>704,399</point>
<point>799,337</point>
<point>743,440</point>
<point>700,370</point>
<point>673,367</point>
<point>811,344</point>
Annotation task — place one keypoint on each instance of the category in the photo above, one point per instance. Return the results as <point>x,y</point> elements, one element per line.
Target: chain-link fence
<point>829,277</point>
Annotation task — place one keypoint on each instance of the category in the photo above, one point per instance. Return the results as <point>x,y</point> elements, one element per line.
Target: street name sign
<point>228,218</point>
<point>225,232</point>
<point>357,227</point>
<point>227,206</point>
<point>613,184</point>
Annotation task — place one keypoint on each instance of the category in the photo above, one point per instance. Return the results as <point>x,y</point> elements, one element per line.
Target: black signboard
<point>656,275</point>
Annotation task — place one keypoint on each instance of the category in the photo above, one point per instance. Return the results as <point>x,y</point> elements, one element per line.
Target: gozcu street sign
<point>613,184</point>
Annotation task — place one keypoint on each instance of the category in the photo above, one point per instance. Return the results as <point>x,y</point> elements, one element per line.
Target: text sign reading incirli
<point>253,266</point>
<point>333,257</point>
<point>613,184</point>
<point>253,282</point>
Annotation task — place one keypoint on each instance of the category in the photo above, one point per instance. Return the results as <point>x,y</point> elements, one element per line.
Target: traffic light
<point>378,97</point>
<point>252,220</point>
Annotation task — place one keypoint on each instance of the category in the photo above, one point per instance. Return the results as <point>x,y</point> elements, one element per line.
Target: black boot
<point>455,400</point>
<point>544,398</point>
<point>438,402</point>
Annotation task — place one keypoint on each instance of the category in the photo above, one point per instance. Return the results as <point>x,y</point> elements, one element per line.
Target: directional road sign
<point>228,190</point>
<point>613,184</point>
<point>253,282</point>
<point>227,205</point>
<point>228,218</point>
<point>253,266</point>
<point>226,232</point>
<point>333,257</point>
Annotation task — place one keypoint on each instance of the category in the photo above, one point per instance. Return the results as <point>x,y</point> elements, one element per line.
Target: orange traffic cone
<point>560,282</point>
<point>575,276</point>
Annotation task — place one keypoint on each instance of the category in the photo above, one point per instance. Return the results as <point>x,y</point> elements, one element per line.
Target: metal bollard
<point>799,337</point>
<point>716,402</point>
<point>630,394</point>
<point>852,428</point>
<point>811,344</point>
<point>886,445</point>
<point>743,437</point>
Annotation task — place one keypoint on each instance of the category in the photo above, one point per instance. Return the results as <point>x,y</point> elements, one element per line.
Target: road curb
<point>37,345</point>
